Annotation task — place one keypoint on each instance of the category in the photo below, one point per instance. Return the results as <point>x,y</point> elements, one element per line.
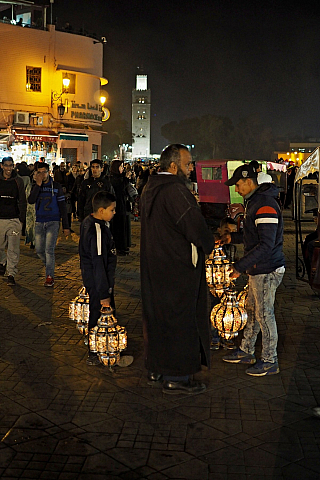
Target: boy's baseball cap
<point>243,172</point>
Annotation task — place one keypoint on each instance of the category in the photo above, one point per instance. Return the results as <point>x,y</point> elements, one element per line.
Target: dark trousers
<point>119,231</point>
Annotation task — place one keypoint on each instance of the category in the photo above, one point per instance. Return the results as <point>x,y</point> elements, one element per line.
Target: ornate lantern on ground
<point>218,272</point>
<point>108,338</point>
<point>228,317</point>
<point>79,311</point>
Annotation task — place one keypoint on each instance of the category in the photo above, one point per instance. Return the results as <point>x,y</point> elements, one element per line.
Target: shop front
<point>29,146</point>
<point>82,146</point>
<point>5,141</point>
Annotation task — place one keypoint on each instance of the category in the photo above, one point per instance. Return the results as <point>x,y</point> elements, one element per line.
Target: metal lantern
<point>242,297</point>
<point>92,340</point>
<point>218,269</point>
<point>228,318</point>
<point>79,311</point>
<point>110,338</point>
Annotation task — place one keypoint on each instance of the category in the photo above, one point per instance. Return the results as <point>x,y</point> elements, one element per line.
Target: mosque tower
<point>141,110</point>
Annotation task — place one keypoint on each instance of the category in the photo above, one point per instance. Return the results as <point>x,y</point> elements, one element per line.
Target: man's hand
<point>38,176</point>
<point>233,273</point>
<point>66,231</point>
<point>106,302</point>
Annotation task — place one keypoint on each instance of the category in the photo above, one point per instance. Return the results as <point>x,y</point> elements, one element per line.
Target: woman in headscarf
<point>119,225</point>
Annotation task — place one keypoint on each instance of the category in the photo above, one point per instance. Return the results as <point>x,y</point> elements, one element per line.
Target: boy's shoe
<point>238,356</point>
<point>215,343</point>
<point>93,359</point>
<point>3,268</point>
<point>263,368</point>
<point>11,281</point>
<point>49,281</point>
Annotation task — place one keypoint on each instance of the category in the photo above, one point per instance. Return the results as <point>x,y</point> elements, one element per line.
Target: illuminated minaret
<point>141,109</point>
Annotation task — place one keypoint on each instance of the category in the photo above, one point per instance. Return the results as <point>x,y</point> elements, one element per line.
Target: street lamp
<point>56,96</point>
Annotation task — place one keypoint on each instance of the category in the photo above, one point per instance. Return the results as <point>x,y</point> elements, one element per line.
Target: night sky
<point>229,58</point>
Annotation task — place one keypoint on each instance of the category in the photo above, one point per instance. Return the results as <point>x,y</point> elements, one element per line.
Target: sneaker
<point>3,268</point>
<point>263,368</point>
<point>93,359</point>
<point>238,356</point>
<point>49,281</point>
<point>11,281</point>
<point>215,343</point>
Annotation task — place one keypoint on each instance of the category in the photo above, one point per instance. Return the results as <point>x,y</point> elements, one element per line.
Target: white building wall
<point>55,53</point>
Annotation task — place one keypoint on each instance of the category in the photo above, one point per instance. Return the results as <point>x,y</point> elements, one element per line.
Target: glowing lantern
<point>109,338</point>
<point>79,311</point>
<point>218,272</point>
<point>228,317</point>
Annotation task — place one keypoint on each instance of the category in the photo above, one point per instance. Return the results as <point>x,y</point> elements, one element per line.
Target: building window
<point>94,152</point>
<point>211,173</point>
<point>72,84</point>
<point>33,80</point>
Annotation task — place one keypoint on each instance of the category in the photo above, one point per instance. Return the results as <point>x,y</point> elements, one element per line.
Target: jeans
<point>260,309</point>
<point>46,234</point>
<point>10,232</point>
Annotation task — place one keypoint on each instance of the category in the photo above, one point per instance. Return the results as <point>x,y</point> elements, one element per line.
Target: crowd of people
<point>35,198</point>
<point>174,241</point>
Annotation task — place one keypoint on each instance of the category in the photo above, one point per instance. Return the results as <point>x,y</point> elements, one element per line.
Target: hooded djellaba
<point>174,241</point>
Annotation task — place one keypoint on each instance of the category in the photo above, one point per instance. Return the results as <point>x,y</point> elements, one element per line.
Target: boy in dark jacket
<point>98,259</point>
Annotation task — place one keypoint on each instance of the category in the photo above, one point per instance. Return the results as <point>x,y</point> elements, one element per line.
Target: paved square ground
<point>61,419</point>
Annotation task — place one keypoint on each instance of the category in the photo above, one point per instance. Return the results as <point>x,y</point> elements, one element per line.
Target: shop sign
<point>36,138</point>
<point>85,115</point>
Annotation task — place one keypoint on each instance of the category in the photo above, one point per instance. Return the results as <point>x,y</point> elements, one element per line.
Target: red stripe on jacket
<point>266,209</point>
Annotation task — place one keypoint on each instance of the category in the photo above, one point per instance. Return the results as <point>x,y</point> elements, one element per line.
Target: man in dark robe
<point>174,240</point>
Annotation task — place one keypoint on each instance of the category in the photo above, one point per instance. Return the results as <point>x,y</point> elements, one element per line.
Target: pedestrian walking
<point>13,205</point>
<point>90,186</point>
<point>47,195</point>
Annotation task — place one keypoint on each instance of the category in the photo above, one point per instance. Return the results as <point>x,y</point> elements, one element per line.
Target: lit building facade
<point>297,153</point>
<point>39,115</point>
<point>141,116</point>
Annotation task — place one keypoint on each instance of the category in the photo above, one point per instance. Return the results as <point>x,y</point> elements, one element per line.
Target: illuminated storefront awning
<point>77,137</point>
<point>35,136</point>
<point>5,137</point>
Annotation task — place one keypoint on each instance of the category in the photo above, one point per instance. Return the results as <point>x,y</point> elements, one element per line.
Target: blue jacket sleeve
<point>265,223</point>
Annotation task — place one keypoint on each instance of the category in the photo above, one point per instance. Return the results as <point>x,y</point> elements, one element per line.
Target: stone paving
<point>61,419</point>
